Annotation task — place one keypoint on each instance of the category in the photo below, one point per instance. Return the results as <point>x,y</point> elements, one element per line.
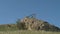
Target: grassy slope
<point>7,28</point>
<point>13,30</point>
<point>27,32</point>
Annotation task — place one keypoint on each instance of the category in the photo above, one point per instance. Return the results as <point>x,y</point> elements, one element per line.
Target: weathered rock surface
<point>35,24</point>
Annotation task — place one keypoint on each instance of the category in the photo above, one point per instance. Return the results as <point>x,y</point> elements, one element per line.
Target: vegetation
<point>29,25</point>
<point>27,32</point>
<point>20,25</point>
<point>8,27</point>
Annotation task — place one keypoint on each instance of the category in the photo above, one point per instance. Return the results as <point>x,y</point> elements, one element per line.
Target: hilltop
<point>29,23</point>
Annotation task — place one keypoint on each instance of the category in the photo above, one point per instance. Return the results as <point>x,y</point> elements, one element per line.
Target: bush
<point>20,25</point>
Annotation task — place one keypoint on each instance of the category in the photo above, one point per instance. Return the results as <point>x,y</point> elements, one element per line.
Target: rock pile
<point>36,24</point>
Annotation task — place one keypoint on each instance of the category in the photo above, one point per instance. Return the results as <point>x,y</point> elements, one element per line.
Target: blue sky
<point>47,10</point>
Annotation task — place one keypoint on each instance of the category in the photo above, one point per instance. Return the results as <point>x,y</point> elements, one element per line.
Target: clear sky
<point>47,10</point>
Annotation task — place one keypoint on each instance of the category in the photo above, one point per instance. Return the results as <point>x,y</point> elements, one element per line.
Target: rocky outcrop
<point>29,23</point>
<point>36,24</point>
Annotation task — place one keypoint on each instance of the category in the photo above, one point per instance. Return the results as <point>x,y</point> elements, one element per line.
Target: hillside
<point>27,32</point>
<point>8,27</point>
<point>29,23</point>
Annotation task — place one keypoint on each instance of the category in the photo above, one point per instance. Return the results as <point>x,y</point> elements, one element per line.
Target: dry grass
<point>27,32</point>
